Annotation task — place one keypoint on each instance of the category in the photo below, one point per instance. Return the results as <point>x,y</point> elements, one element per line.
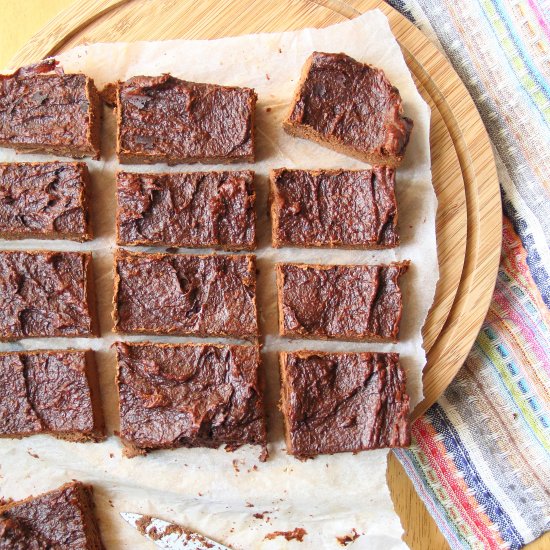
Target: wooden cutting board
<point>464,174</point>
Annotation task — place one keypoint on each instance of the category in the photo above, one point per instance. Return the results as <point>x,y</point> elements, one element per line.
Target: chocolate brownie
<point>189,395</point>
<point>165,119</point>
<point>334,208</point>
<point>337,402</point>
<point>46,293</point>
<point>44,200</point>
<point>346,302</point>
<point>62,519</point>
<point>44,110</point>
<point>193,210</point>
<point>53,392</point>
<point>350,107</point>
<point>182,294</point>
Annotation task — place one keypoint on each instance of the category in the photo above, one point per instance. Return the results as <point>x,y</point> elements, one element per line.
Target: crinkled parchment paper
<point>214,491</point>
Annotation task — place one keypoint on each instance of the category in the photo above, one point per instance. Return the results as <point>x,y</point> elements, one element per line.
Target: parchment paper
<point>213,491</point>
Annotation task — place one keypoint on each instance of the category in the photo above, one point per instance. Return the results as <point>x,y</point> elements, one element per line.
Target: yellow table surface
<point>23,18</point>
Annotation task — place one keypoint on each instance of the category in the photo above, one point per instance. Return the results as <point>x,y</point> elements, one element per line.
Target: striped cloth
<point>480,458</point>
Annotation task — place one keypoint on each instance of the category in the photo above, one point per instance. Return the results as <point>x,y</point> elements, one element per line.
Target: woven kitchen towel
<point>480,458</point>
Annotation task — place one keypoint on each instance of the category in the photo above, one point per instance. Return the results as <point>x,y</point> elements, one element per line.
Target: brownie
<point>62,519</point>
<point>337,402</point>
<point>190,210</point>
<point>165,119</point>
<point>53,392</point>
<point>180,294</point>
<point>334,208</point>
<point>346,302</point>
<point>46,293</point>
<point>189,395</point>
<point>43,110</point>
<point>350,107</point>
<point>44,200</point>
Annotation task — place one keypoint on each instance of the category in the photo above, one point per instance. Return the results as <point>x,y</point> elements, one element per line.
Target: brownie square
<point>189,395</point>
<point>60,519</point>
<point>350,107</point>
<point>44,200</point>
<point>165,119</point>
<point>55,392</point>
<point>188,210</point>
<point>46,293</point>
<point>346,302</point>
<point>42,111</point>
<point>337,402</point>
<point>334,208</point>
<point>181,294</point>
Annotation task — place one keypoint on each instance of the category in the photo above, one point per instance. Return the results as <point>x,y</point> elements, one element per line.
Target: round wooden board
<point>464,174</point>
<point>469,219</point>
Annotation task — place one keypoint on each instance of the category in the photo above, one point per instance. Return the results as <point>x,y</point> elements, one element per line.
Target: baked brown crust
<point>340,302</point>
<point>46,293</point>
<point>44,200</point>
<point>341,402</point>
<point>165,119</point>
<point>350,107</point>
<point>187,210</point>
<point>334,208</point>
<point>54,392</point>
<point>62,518</point>
<point>189,395</point>
<point>184,294</point>
<point>44,110</point>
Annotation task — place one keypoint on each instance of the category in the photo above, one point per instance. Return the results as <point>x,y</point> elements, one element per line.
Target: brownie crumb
<point>297,533</point>
<point>108,95</point>
<point>34,455</point>
<point>348,539</point>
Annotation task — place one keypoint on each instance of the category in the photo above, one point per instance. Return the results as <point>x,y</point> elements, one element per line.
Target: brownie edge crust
<point>340,402</point>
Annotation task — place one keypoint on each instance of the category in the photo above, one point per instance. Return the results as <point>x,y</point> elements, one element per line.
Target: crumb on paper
<point>298,533</point>
<point>348,539</point>
<point>235,463</point>
<point>108,95</point>
<point>34,455</point>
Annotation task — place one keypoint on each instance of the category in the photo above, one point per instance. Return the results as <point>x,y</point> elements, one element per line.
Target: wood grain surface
<point>464,175</point>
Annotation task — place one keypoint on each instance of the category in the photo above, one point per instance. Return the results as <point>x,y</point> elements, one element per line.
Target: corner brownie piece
<point>46,293</point>
<point>180,294</point>
<point>43,110</point>
<point>350,107</point>
<point>193,210</point>
<point>189,395</point>
<point>44,200</point>
<point>346,208</point>
<point>60,519</point>
<point>346,302</point>
<point>54,392</point>
<point>337,402</point>
<point>165,119</point>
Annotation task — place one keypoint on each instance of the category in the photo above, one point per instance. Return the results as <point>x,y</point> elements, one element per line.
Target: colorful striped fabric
<point>481,456</point>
